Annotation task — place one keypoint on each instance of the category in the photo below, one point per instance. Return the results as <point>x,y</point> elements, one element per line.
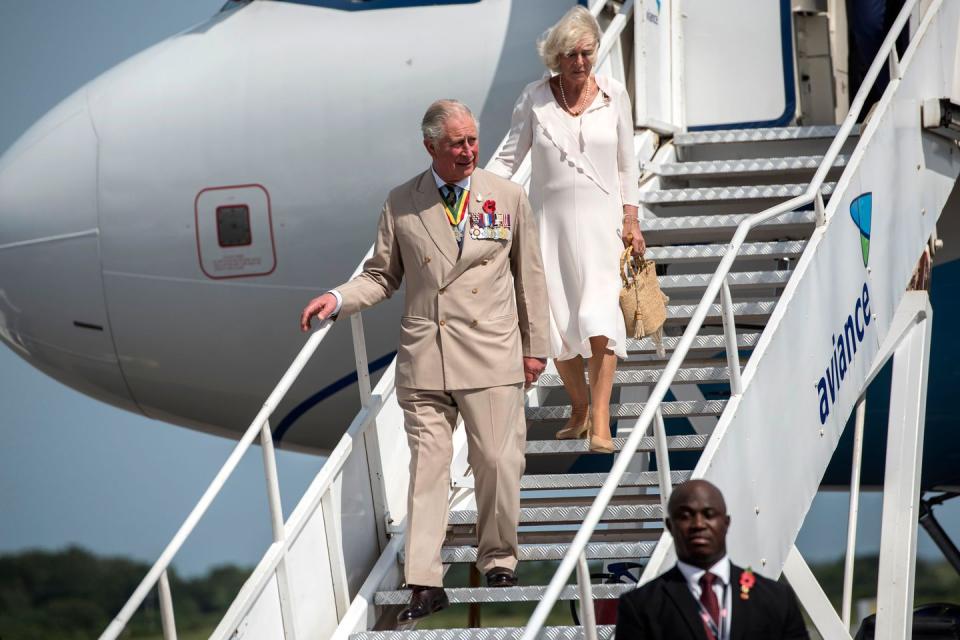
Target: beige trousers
<point>496,438</point>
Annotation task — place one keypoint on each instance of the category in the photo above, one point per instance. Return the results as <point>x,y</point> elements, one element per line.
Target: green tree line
<point>74,594</point>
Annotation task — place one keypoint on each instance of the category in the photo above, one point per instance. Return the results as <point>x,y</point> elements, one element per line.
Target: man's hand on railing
<point>532,368</point>
<point>321,307</point>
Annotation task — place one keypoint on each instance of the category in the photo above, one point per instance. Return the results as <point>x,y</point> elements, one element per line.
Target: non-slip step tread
<point>652,376</point>
<point>633,409</point>
<point>471,595</point>
<point>555,551</point>
<point>745,340</point>
<point>713,222</point>
<point>604,632</point>
<point>706,252</point>
<point>594,480</point>
<point>738,279</point>
<point>647,444</point>
<point>717,194</point>
<point>745,165</point>
<point>766,134</point>
<point>568,513</point>
<point>751,309</point>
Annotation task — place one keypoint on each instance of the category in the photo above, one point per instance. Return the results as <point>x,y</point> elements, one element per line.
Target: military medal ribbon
<point>455,214</point>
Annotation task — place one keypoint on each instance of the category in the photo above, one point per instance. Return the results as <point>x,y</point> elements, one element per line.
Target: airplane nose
<point>52,305</point>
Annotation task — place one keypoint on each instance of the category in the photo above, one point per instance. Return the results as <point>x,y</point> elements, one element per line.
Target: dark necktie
<point>708,598</point>
<point>450,195</point>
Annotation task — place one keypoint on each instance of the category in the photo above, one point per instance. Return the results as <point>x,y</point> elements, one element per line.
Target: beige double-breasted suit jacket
<point>469,315</point>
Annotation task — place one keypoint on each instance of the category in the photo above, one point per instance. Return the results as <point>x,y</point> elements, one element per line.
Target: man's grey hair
<point>576,25</point>
<point>437,115</point>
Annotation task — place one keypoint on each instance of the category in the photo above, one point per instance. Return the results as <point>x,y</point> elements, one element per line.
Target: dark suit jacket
<point>664,609</point>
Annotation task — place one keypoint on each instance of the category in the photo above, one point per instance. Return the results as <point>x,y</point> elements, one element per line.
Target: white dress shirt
<point>721,587</point>
<point>464,186</point>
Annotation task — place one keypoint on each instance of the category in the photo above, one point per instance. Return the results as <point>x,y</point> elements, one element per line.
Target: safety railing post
<point>167,621</point>
<point>588,616</point>
<point>276,525</point>
<point>854,512</point>
<point>894,64</point>
<point>730,336</point>
<point>663,459</point>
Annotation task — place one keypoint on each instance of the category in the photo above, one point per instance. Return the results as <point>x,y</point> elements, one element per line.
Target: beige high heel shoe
<point>598,444</point>
<point>575,431</point>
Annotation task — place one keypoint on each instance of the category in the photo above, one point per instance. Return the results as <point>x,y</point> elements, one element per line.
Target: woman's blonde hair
<point>576,25</point>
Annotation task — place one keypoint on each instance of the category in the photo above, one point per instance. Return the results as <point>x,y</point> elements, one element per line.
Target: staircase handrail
<point>157,572</point>
<point>812,194</point>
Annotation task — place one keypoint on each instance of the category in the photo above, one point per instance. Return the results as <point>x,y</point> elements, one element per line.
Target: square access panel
<point>235,232</point>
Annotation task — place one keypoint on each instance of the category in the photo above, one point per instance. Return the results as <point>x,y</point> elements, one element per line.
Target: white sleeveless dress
<point>583,171</point>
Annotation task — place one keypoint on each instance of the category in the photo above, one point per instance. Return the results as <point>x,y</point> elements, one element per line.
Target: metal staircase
<point>752,233</point>
<point>687,244</point>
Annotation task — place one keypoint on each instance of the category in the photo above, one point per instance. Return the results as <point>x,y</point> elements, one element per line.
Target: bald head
<point>698,521</point>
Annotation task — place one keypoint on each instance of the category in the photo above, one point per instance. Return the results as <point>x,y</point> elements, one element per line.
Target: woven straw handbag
<point>644,306</point>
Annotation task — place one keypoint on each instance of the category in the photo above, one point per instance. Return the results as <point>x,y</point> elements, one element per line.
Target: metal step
<point>710,252</point>
<point>604,632</point>
<point>704,168</point>
<point>756,135</point>
<point>719,194</point>
<point>552,481</point>
<point>649,377</point>
<point>745,340</point>
<point>697,282</point>
<point>633,409</point>
<point>727,223</point>
<point>674,443</point>
<point>472,595</point>
<point>742,311</point>
<point>560,513</point>
<point>538,552</point>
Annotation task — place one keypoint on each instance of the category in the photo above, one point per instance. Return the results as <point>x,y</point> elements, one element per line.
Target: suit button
<point>485,261</point>
<point>426,260</point>
<point>441,291</point>
<point>473,323</point>
<point>475,290</point>
<point>443,323</point>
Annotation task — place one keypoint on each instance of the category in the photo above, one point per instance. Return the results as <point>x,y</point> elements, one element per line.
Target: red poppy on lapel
<point>747,580</point>
<point>490,206</point>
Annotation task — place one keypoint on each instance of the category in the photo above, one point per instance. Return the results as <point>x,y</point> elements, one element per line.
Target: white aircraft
<point>162,228</point>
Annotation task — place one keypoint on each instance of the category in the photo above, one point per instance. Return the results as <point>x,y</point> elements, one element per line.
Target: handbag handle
<point>628,267</point>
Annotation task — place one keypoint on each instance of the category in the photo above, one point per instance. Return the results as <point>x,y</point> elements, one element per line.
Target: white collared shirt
<point>463,184</point>
<point>721,587</point>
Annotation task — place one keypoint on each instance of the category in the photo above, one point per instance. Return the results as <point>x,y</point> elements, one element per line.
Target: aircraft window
<point>233,226</point>
<point>366,5</point>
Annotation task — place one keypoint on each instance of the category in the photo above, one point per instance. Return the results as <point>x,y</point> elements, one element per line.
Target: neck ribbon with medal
<point>456,213</point>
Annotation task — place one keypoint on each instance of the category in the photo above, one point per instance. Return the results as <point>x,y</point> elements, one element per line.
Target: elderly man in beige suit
<point>474,330</point>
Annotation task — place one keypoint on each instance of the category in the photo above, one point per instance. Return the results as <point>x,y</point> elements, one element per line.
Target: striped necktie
<point>449,193</point>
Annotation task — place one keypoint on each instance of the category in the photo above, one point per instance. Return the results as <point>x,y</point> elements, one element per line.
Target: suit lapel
<point>427,200</point>
<point>740,609</point>
<point>679,593</point>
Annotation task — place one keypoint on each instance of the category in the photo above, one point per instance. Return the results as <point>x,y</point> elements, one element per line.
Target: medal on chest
<point>489,223</point>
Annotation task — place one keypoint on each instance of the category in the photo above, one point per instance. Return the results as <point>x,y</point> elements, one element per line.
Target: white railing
<point>718,285</point>
<point>259,427</point>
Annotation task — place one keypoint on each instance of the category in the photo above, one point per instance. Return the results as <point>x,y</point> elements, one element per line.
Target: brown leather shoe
<point>501,577</point>
<point>423,602</point>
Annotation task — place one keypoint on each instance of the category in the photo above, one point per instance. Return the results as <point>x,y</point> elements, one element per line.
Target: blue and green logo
<point>861,210</point>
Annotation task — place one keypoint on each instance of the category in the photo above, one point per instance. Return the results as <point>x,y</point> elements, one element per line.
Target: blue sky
<point>75,471</point>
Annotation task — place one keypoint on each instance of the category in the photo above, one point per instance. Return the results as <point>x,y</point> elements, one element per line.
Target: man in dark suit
<point>705,596</point>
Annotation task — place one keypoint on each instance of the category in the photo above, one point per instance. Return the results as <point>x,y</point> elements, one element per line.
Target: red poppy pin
<point>747,580</point>
<point>490,206</point>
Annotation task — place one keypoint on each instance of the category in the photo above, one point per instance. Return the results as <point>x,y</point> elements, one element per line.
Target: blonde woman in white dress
<point>583,188</point>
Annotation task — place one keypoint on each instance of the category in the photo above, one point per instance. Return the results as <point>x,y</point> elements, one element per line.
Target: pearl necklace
<point>581,104</point>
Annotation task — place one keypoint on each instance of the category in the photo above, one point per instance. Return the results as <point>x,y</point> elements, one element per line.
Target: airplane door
<point>235,232</point>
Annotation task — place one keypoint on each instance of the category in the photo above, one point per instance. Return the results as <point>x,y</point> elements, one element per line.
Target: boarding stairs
<point>751,230</point>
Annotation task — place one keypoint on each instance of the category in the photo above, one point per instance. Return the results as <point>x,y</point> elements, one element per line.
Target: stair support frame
<point>167,621</point>
<point>901,492</point>
<point>854,511</point>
